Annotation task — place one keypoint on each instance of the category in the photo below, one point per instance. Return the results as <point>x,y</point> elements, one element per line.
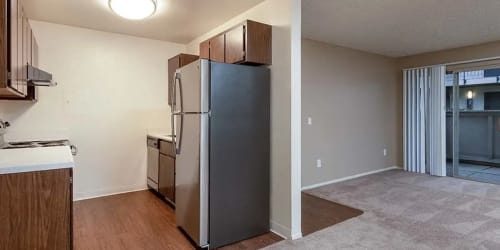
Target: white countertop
<point>35,159</point>
<point>161,136</point>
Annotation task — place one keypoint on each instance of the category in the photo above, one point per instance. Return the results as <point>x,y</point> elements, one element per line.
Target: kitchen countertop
<point>22,160</point>
<point>160,136</point>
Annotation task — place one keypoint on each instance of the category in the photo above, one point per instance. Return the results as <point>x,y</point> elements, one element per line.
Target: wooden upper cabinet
<point>174,63</point>
<point>17,50</point>
<point>217,44</point>
<point>235,45</point>
<point>258,43</point>
<point>4,58</point>
<point>205,50</point>
<point>247,43</point>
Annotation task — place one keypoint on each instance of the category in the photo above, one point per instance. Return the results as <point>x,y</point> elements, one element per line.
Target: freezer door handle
<point>178,82</point>
<point>173,95</point>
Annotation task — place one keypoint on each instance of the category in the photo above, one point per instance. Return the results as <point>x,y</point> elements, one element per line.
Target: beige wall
<point>278,14</point>
<point>476,52</point>
<point>353,100</point>
<point>112,88</point>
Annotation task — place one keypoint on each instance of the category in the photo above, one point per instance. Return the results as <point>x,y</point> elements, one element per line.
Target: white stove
<point>39,144</point>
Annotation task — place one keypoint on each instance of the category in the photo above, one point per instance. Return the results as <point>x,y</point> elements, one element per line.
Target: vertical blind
<point>424,120</point>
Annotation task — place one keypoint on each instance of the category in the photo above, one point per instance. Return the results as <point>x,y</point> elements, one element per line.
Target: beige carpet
<point>409,211</point>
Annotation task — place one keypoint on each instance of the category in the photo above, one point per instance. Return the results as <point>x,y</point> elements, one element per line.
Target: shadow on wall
<point>12,110</point>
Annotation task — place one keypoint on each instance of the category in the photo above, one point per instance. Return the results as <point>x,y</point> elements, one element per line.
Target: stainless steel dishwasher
<point>153,163</point>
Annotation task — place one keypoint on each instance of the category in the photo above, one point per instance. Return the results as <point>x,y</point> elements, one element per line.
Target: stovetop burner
<point>36,144</point>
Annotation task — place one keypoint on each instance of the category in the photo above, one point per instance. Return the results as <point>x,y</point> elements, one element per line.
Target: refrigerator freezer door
<point>191,180</point>
<point>191,88</point>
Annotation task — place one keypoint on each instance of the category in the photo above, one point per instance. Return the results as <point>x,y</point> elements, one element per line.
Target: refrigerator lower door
<point>191,190</point>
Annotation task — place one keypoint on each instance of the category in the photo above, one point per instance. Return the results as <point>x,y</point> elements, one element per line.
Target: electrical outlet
<point>319,163</point>
<point>309,120</point>
<point>385,152</point>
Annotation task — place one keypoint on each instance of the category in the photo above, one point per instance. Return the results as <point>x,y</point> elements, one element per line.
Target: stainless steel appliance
<point>153,163</point>
<point>221,122</point>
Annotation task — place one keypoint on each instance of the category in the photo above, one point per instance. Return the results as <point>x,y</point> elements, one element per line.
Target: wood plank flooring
<point>319,213</point>
<point>137,220</point>
<point>140,220</point>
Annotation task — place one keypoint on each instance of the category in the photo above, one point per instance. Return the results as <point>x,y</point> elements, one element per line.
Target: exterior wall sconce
<point>470,100</point>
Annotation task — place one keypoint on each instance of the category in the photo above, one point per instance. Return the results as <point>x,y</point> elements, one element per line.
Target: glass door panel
<point>474,126</point>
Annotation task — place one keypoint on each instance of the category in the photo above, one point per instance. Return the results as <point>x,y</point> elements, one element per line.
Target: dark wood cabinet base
<point>36,210</point>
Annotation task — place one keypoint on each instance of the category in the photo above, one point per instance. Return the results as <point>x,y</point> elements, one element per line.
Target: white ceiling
<point>176,20</point>
<point>401,27</point>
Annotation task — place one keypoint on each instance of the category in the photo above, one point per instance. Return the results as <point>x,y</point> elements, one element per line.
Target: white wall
<point>353,100</point>
<point>279,14</point>
<point>112,88</point>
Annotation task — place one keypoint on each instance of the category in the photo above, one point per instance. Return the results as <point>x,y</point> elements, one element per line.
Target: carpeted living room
<point>394,105</point>
<point>404,210</point>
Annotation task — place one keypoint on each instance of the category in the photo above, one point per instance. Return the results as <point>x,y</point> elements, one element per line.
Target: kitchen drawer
<point>167,148</point>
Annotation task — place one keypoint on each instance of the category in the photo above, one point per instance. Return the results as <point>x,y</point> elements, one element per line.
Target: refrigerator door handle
<point>178,80</point>
<point>173,95</point>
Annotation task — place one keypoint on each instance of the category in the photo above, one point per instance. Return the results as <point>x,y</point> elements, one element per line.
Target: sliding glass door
<point>473,125</point>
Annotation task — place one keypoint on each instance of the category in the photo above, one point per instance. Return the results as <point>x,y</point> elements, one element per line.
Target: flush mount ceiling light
<point>133,9</point>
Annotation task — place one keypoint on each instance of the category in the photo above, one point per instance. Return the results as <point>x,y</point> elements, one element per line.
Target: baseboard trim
<point>296,236</point>
<point>280,230</point>
<point>348,178</point>
<point>90,195</point>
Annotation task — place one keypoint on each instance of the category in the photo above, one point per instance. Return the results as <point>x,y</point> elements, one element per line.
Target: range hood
<point>39,78</point>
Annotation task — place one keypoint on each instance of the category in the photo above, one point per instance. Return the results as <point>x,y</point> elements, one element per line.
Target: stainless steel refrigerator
<point>221,119</point>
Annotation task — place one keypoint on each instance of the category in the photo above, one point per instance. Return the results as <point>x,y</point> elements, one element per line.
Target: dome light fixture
<point>133,9</point>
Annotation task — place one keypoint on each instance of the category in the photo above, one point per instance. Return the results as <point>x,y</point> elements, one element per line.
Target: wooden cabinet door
<point>205,49</point>
<point>14,44</point>
<point>27,43</point>
<point>4,68</point>
<point>166,178</point>
<point>217,50</point>
<point>173,65</point>
<point>36,210</point>
<point>20,47</point>
<point>258,43</point>
<point>235,45</point>
<point>186,59</point>
<point>24,52</point>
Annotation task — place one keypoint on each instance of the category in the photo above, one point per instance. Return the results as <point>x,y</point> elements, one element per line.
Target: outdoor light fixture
<point>133,9</point>
<point>470,96</point>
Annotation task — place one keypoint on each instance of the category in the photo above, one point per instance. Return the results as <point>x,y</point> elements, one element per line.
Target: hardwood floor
<point>140,220</point>
<point>254,243</point>
<point>319,213</point>
<point>137,220</point>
